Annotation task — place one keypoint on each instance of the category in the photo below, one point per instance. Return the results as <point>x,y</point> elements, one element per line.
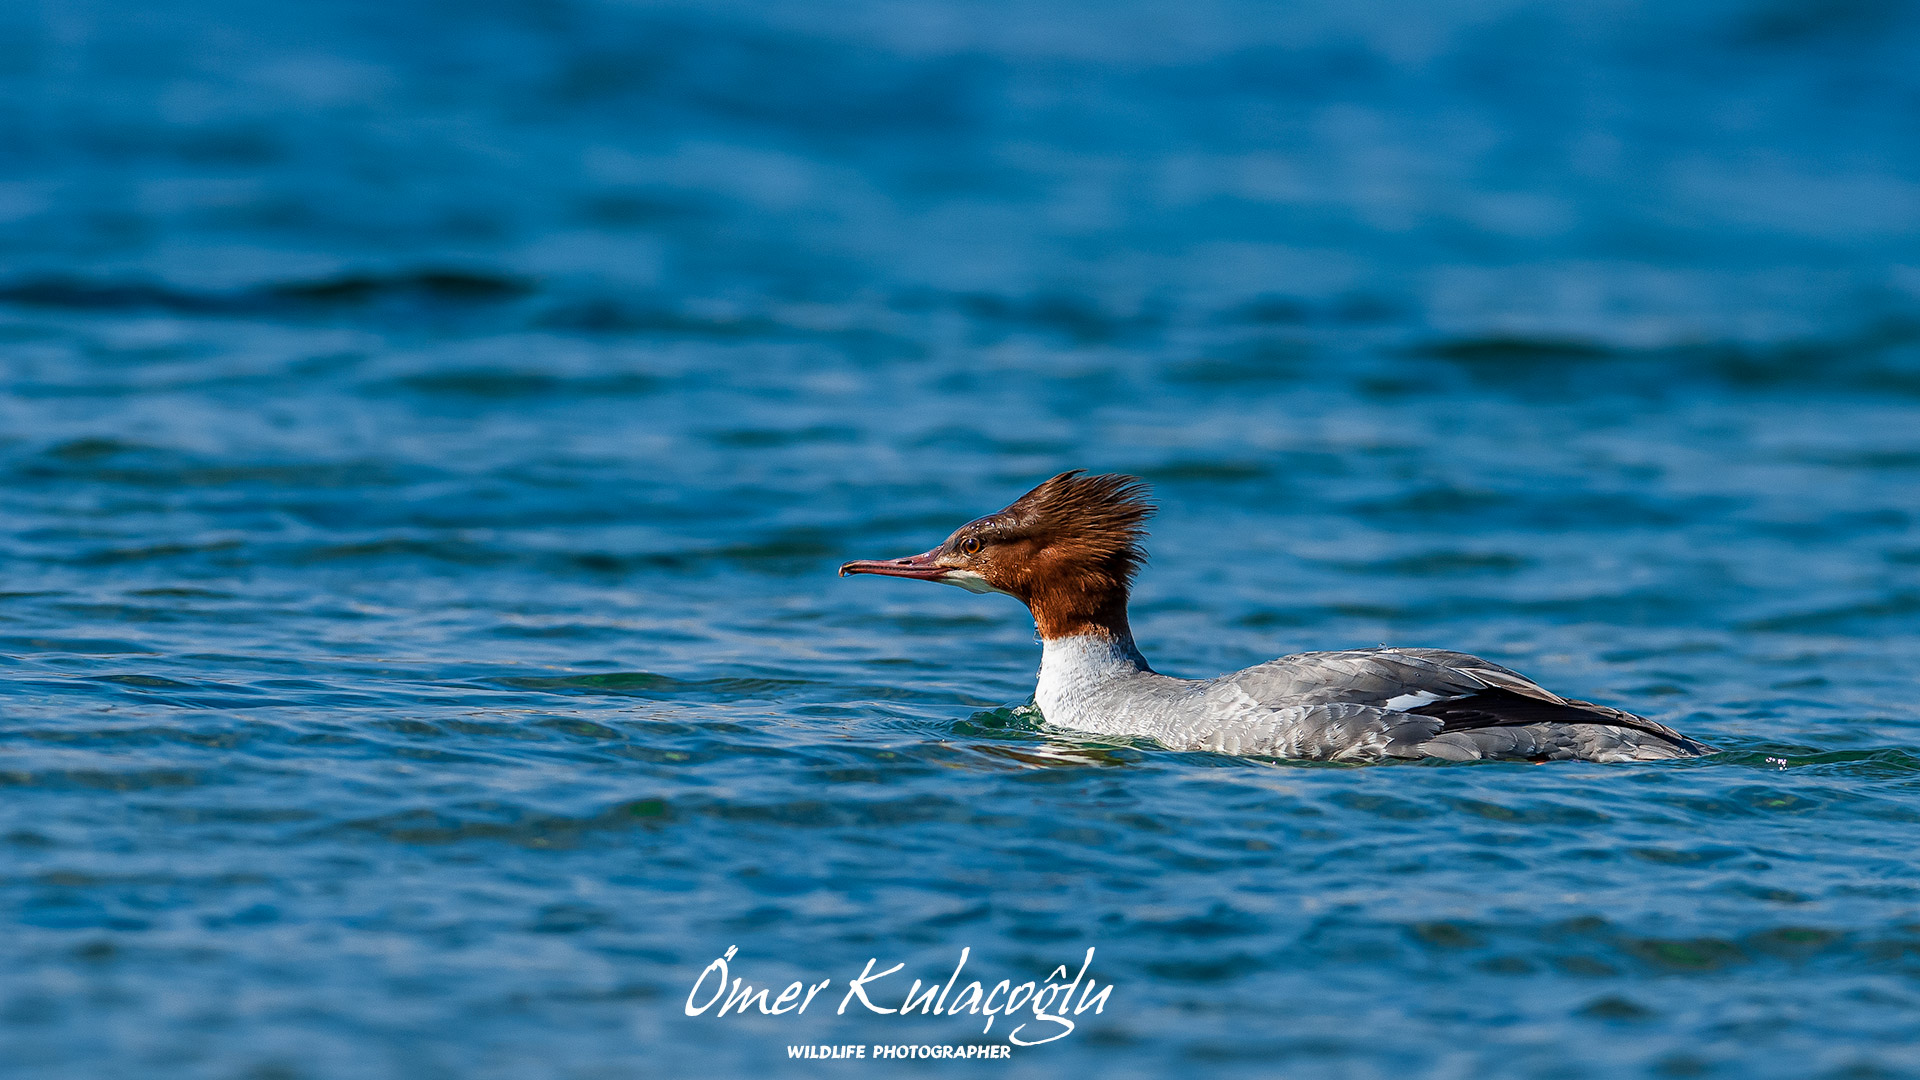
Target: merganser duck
<point>1069,550</point>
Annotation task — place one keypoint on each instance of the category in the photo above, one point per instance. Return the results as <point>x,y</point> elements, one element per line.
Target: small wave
<point>1077,319</point>
<point>503,384</point>
<point>1439,564</point>
<point>1203,471</point>
<point>646,684</point>
<point>121,780</point>
<point>604,316</point>
<point>77,646</point>
<point>1828,620</point>
<point>428,288</point>
<point>1492,353</point>
<point>1875,358</point>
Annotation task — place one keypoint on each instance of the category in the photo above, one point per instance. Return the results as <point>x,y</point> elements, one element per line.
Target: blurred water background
<point>429,430</point>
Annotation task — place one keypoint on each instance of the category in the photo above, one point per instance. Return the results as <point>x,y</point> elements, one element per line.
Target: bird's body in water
<point>1069,549</point>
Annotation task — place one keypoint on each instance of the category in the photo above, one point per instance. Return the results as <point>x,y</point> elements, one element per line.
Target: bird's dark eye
<point>970,546</point>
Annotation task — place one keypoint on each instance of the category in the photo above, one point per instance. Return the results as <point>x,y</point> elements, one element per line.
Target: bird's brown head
<point>1068,549</point>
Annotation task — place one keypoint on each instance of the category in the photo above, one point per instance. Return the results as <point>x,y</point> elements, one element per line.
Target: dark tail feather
<point>1494,707</point>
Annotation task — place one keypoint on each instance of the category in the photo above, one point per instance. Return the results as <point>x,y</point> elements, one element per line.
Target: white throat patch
<point>971,582</point>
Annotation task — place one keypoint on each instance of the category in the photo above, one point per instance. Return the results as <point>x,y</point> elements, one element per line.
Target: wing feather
<point>1356,703</point>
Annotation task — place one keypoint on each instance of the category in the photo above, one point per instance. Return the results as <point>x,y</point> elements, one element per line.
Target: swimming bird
<point>1069,550</point>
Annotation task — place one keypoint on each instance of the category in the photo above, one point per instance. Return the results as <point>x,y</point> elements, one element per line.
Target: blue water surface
<point>429,430</point>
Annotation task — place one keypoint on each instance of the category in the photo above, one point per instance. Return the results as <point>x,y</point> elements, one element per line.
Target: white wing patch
<point>1410,701</point>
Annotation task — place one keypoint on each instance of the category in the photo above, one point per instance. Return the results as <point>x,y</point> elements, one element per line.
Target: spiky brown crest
<point>1073,547</point>
<point>1099,520</point>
